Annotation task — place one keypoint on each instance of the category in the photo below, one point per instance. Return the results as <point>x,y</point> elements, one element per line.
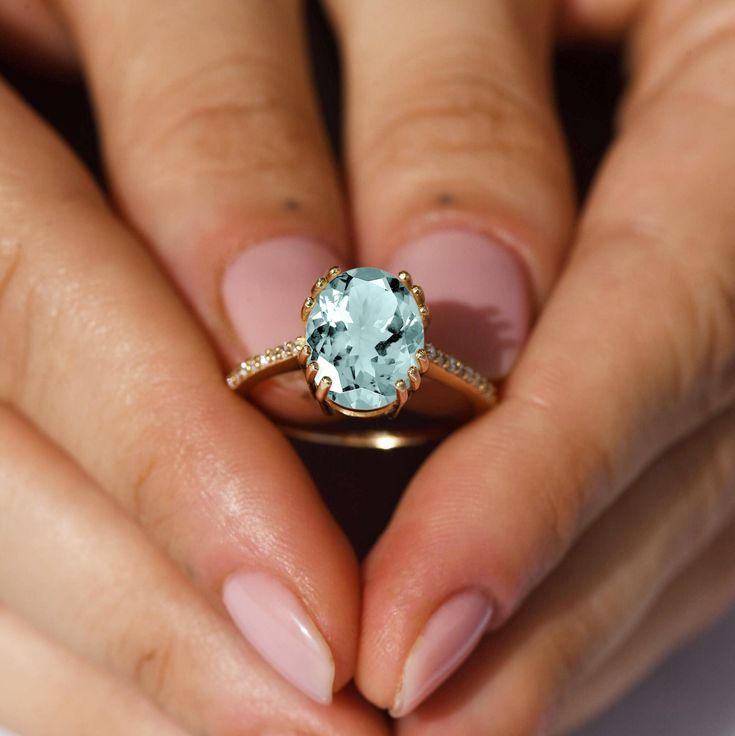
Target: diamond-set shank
<point>439,366</point>
<point>273,362</point>
<point>364,354</point>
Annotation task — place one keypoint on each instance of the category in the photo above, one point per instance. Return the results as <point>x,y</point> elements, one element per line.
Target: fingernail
<point>276,623</point>
<point>478,293</point>
<point>264,287</point>
<point>448,638</point>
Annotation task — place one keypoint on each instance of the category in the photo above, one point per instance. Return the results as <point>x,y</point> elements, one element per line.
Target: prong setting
<point>414,378</point>
<point>425,313</point>
<point>304,355</point>
<point>322,389</point>
<point>319,284</point>
<point>307,307</point>
<point>311,370</point>
<point>405,278</point>
<point>401,397</point>
<point>422,358</point>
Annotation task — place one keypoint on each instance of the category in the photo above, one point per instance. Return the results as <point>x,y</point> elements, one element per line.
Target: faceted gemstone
<point>364,331</point>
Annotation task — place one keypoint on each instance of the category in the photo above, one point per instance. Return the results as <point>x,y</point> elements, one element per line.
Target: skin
<point>602,530</point>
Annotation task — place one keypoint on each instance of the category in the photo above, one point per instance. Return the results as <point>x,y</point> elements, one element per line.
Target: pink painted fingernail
<point>448,638</point>
<point>479,296</point>
<point>276,623</point>
<point>264,287</point>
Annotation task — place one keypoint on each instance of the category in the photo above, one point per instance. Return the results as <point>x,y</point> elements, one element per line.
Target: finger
<point>598,597</point>
<point>46,691</point>
<point>89,329</point>
<point>456,164</point>
<point>76,568</point>
<point>600,391</point>
<point>34,34</point>
<point>699,596</point>
<point>218,155</point>
<point>605,19</point>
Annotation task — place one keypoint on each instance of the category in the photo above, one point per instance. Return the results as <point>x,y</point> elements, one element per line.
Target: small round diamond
<point>364,331</point>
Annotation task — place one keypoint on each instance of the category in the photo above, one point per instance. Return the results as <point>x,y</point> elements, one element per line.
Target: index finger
<point>635,348</point>
<point>100,354</point>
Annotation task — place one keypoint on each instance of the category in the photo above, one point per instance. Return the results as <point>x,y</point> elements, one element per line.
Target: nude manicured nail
<point>448,638</point>
<point>264,287</point>
<point>478,293</point>
<point>276,623</point>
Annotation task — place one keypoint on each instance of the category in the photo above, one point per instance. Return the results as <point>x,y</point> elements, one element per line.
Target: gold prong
<point>307,307</point>
<point>334,271</point>
<point>418,294</point>
<point>414,377</point>
<point>422,358</point>
<point>405,277</point>
<point>311,370</point>
<point>304,355</point>
<point>401,398</point>
<point>323,389</point>
<point>425,315</point>
<point>319,284</point>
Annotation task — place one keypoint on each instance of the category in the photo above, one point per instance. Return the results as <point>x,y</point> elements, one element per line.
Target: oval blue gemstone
<point>364,331</point>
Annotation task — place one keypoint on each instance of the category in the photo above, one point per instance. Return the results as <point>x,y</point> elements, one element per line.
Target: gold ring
<point>364,354</point>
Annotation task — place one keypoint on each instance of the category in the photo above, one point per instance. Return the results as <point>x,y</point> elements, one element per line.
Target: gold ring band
<point>429,361</point>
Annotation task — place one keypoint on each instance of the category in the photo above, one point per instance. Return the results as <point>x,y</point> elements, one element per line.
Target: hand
<point>215,154</point>
<point>450,133</point>
<point>135,488</point>
<point>588,523</point>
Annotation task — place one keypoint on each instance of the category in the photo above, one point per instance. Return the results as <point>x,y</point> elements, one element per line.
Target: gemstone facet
<point>364,331</point>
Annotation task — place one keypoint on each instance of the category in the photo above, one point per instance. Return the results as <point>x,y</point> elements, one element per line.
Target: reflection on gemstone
<point>364,331</point>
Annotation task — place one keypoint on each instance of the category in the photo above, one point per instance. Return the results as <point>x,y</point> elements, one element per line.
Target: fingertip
<point>448,638</point>
<point>265,284</point>
<point>277,624</point>
<point>479,293</point>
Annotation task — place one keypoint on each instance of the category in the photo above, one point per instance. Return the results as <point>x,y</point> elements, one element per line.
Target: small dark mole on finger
<point>444,198</point>
<point>291,204</point>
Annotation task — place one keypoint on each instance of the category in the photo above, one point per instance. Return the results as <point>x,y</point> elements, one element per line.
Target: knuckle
<point>141,649</point>
<point>718,500</point>
<point>152,493</point>
<point>151,668</point>
<point>41,294</point>
<point>687,352</point>
<point>534,702</point>
<point>701,344</point>
<point>719,349</point>
<point>575,464</point>
<point>456,114</point>
<point>246,117</point>
<point>12,340</point>
<point>572,645</point>
<point>679,42</point>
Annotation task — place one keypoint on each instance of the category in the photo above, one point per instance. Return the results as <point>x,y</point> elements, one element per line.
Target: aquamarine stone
<point>364,331</point>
